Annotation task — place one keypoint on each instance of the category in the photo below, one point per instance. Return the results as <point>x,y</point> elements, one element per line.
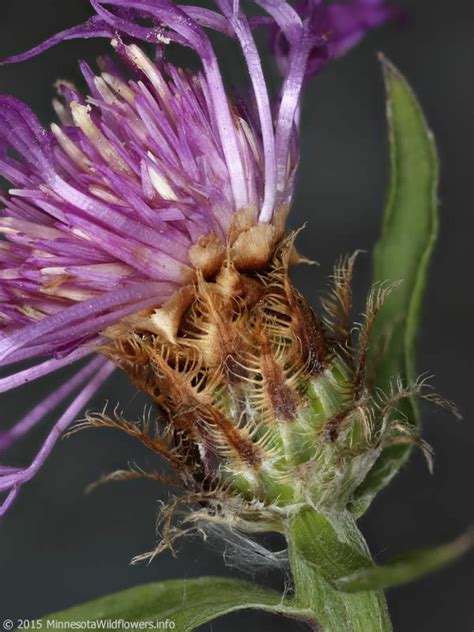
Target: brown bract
<point>227,357</point>
<point>250,245</point>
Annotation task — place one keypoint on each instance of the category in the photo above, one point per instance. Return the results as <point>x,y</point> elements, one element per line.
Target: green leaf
<point>319,557</point>
<point>406,567</point>
<point>403,252</point>
<point>318,542</point>
<point>186,603</point>
<point>339,555</point>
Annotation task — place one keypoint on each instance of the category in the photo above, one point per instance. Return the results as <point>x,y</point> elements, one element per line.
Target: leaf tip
<point>390,71</point>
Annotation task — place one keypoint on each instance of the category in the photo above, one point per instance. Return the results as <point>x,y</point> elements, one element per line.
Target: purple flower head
<point>154,174</point>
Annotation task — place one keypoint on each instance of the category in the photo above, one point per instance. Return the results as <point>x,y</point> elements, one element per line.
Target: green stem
<point>321,551</point>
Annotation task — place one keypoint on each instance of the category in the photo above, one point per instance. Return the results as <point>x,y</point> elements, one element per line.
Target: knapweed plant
<point>145,231</point>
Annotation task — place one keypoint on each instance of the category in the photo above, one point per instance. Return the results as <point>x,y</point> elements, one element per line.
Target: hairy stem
<point>322,551</point>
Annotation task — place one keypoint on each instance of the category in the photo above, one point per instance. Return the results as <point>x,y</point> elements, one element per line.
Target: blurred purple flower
<point>105,209</point>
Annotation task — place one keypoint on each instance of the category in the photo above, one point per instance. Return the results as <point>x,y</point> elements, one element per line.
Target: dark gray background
<point>59,547</point>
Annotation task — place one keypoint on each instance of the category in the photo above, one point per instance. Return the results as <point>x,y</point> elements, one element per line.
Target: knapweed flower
<point>148,226</point>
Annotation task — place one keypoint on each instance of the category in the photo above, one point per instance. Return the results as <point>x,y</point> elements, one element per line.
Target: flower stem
<point>321,551</point>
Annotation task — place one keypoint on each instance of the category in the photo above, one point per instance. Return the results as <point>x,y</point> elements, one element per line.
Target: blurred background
<point>59,546</point>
